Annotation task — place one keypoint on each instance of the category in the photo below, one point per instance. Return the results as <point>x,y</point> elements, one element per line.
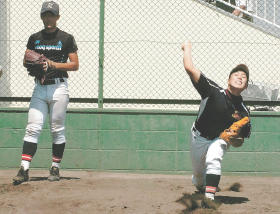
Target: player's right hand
<point>45,66</point>
<point>186,44</point>
<point>50,64</point>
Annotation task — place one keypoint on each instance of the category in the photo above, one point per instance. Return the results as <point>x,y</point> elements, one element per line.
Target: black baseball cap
<point>50,6</point>
<point>240,67</point>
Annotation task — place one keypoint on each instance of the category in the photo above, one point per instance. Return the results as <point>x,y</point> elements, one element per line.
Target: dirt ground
<point>123,193</point>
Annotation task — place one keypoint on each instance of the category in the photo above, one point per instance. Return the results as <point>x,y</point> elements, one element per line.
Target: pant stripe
<point>210,189</point>
<point>26,157</point>
<point>56,159</point>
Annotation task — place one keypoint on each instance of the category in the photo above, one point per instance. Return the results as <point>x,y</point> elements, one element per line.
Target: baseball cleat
<point>54,174</point>
<point>21,177</point>
<point>209,203</point>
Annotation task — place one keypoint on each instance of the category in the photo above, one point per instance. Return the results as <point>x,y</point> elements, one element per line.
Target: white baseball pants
<point>48,99</point>
<point>206,156</point>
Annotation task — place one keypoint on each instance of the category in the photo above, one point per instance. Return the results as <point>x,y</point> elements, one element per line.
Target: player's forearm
<point>72,65</point>
<point>188,63</point>
<point>69,66</point>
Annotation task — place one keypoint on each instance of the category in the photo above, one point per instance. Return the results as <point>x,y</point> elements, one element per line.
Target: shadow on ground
<point>231,200</point>
<point>46,178</point>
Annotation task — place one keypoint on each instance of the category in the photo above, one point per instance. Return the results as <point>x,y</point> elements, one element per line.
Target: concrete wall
<point>138,141</point>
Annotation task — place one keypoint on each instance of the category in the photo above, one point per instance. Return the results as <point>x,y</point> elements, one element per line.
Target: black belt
<point>52,81</point>
<point>202,135</point>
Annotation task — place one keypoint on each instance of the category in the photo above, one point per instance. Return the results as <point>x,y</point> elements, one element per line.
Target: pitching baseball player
<point>50,95</point>
<point>219,109</point>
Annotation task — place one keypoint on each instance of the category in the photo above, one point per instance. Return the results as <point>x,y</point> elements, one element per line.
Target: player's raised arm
<point>188,63</point>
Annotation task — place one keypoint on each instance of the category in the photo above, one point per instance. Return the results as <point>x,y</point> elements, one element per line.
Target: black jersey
<point>55,46</point>
<point>218,109</point>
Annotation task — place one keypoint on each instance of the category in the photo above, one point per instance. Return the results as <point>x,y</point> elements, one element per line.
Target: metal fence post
<point>101,53</point>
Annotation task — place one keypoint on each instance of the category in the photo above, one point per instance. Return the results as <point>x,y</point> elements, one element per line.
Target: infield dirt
<point>127,193</point>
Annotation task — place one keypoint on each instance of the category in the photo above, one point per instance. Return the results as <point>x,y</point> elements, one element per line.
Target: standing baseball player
<point>50,95</point>
<point>219,109</point>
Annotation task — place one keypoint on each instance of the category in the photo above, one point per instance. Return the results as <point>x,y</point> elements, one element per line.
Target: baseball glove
<point>231,135</point>
<point>34,63</point>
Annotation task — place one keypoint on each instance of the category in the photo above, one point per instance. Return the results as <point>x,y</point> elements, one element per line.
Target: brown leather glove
<point>35,62</point>
<point>231,135</point>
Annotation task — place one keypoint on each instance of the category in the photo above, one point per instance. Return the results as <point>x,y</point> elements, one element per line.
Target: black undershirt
<point>217,109</point>
<point>56,46</point>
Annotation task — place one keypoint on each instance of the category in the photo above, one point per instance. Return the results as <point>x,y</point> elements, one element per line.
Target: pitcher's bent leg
<point>214,156</point>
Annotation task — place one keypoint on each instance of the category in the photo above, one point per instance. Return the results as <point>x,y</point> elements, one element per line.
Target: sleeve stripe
<point>211,83</point>
<point>245,108</point>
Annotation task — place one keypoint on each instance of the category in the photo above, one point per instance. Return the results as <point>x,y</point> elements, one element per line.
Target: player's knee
<point>32,132</point>
<point>58,135</point>
<point>213,166</point>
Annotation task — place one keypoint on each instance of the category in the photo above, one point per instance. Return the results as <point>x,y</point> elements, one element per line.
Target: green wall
<point>138,141</point>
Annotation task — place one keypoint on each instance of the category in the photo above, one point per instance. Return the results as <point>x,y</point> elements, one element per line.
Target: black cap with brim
<point>50,6</point>
<point>241,67</point>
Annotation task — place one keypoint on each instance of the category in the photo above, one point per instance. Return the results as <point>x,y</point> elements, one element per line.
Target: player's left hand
<point>236,142</point>
<point>231,135</point>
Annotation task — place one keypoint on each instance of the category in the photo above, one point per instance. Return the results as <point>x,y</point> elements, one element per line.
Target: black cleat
<point>208,203</point>
<point>21,177</point>
<point>54,174</point>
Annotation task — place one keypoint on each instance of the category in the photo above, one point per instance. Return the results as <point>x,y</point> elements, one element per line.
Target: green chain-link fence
<point>130,51</point>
